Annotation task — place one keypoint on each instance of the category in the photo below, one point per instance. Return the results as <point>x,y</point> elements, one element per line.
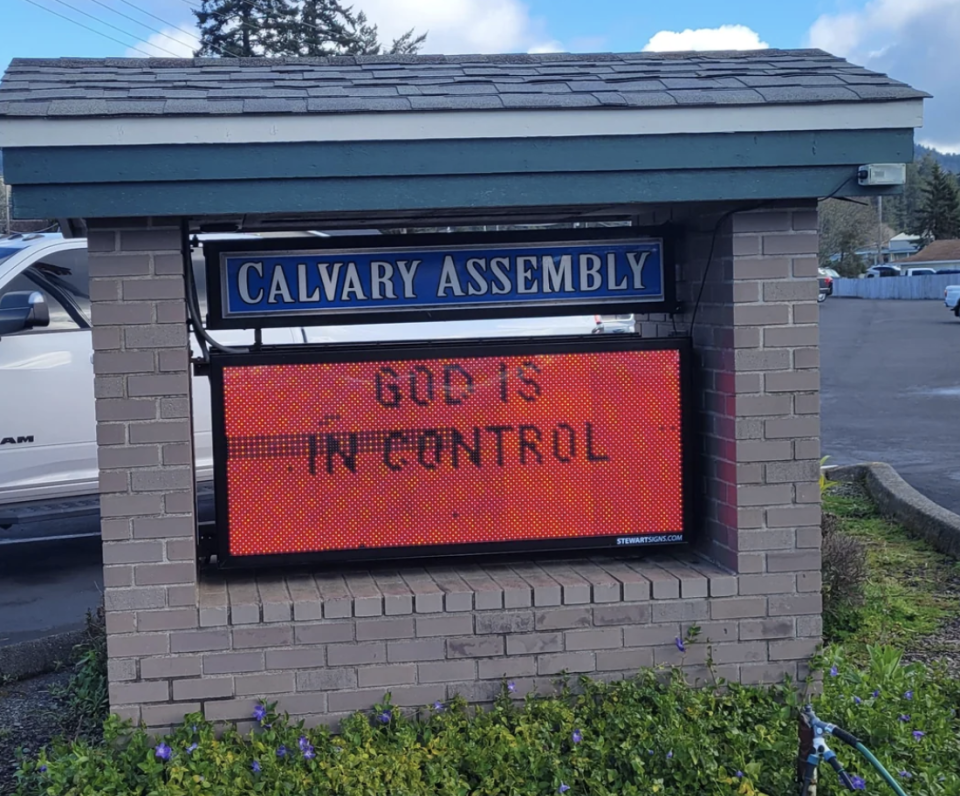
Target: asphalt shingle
<point>91,87</point>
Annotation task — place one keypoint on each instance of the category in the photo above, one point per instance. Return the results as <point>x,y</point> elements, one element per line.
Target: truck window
<point>60,319</point>
<point>69,272</point>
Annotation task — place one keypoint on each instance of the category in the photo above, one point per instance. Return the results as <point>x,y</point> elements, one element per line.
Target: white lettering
<point>558,278</point>
<point>590,279</point>
<point>637,260</point>
<point>407,274</point>
<point>496,265</point>
<point>243,280</point>
<point>612,274</point>
<point>302,285</point>
<point>381,275</point>
<point>449,279</point>
<point>474,266</point>
<point>279,287</point>
<point>523,262</point>
<point>329,282</point>
<point>351,284</point>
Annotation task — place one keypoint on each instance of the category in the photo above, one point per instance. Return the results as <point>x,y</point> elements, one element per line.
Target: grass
<point>911,591</point>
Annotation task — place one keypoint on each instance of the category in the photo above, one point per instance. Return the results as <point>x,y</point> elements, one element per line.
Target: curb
<point>897,499</point>
<point>38,656</point>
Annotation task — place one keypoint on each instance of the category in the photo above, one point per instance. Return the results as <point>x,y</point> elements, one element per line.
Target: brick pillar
<point>144,434</point>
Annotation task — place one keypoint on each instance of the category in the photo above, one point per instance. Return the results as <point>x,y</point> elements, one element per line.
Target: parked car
<point>826,282</point>
<point>919,272</point>
<point>883,270</point>
<point>48,440</point>
<point>951,298</point>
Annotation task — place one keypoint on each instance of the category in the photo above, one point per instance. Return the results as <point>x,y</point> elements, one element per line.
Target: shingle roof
<point>77,87</point>
<point>935,252</point>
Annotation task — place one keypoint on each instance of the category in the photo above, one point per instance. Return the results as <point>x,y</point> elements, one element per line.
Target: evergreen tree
<point>246,27</point>
<point>938,217</point>
<point>291,27</point>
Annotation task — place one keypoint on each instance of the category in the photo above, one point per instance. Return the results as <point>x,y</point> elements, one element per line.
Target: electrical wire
<point>87,27</point>
<point>109,25</point>
<point>168,24</point>
<point>142,24</point>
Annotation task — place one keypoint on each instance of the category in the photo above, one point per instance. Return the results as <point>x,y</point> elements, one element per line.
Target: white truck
<point>951,298</point>
<point>48,439</point>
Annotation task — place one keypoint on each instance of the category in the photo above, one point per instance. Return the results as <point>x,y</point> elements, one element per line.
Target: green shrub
<point>649,735</point>
<point>85,697</point>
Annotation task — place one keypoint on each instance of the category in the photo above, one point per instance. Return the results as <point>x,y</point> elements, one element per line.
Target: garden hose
<point>878,766</point>
<point>819,730</point>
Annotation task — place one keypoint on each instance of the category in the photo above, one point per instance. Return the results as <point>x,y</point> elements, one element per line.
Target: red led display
<point>414,453</point>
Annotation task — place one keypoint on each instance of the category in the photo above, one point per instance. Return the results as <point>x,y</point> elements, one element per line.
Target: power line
<point>124,32</point>
<point>159,19</point>
<point>87,27</point>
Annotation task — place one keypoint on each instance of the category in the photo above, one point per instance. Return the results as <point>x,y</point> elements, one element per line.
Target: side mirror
<point>21,310</point>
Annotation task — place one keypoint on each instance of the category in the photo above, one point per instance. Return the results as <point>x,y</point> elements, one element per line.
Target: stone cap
<point>236,598</point>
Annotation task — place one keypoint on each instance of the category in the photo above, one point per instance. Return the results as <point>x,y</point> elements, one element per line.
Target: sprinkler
<point>813,735</point>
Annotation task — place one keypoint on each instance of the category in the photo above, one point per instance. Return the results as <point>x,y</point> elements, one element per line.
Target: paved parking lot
<point>890,374</point>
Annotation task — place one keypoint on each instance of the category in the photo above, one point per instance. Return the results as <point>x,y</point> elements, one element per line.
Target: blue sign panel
<point>263,284</point>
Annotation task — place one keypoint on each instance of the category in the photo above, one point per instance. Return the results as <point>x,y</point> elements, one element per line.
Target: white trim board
<point>432,125</point>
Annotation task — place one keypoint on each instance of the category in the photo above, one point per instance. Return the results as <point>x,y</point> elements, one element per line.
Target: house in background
<point>940,255</point>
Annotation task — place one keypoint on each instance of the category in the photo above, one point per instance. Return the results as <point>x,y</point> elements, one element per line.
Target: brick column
<point>144,434</point>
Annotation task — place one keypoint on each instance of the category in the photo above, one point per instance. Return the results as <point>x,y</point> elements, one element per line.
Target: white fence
<point>895,287</point>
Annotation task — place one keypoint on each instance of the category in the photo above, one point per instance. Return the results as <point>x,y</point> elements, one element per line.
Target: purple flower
<point>42,769</point>
<point>438,706</point>
<point>162,752</point>
<point>905,775</point>
<point>859,783</point>
<point>309,754</point>
<point>303,743</point>
<point>908,695</point>
<point>679,643</point>
<point>739,775</point>
<point>577,736</point>
<point>192,748</point>
<point>857,700</point>
<point>563,788</point>
<point>511,686</point>
<point>255,766</point>
<point>649,751</point>
<point>904,717</point>
<point>281,751</point>
<point>834,671</point>
<point>917,734</point>
<point>670,754</point>
<point>876,693</point>
<point>385,717</point>
<point>260,713</point>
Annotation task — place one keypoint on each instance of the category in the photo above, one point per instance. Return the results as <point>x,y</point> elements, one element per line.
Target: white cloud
<point>462,26</point>
<point>726,37</point>
<point>180,42</point>
<point>914,41</point>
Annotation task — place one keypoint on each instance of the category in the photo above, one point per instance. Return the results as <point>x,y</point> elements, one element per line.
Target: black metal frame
<point>665,235</point>
<point>454,349</point>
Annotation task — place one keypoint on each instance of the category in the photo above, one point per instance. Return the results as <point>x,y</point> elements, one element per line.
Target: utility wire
<point>124,32</point>
<point>87,27</point>
<point>159,19</point>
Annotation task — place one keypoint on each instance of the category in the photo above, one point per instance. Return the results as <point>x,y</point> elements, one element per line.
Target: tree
<point>845,227</point>
<point>938,217</point>
<point>4,209</point>
<point>291,27</point>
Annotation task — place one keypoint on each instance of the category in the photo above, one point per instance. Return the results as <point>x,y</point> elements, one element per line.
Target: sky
<point>916,41</point>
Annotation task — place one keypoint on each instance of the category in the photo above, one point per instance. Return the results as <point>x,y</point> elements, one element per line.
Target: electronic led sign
<point>449,449</point>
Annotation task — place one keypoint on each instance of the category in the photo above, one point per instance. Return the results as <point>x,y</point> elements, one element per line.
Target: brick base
<point>325,646</point>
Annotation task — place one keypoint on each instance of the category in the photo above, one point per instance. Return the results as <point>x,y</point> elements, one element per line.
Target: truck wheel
<point>956,310</point>
<point>821,297</point>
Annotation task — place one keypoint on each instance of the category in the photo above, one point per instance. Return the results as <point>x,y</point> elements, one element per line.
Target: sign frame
<point>348,353</point>
<point>215,250</point>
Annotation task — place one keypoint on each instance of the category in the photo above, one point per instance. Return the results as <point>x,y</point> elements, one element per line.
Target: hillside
<point>948,162</point>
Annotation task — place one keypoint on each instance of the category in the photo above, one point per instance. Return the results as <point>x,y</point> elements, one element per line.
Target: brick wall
<point>325,645</point>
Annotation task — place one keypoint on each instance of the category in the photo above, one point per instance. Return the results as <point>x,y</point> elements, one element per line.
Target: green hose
<point>883,772</point>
